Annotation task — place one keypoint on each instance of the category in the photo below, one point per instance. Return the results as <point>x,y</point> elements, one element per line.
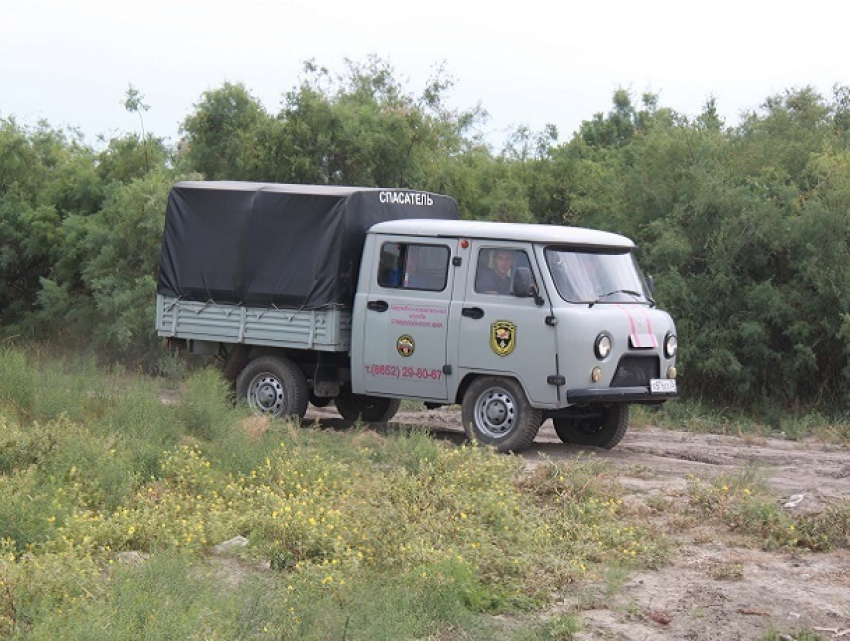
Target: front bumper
<point>638,394</point>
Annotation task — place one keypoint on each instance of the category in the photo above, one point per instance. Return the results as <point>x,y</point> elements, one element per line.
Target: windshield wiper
<point>631,292</point>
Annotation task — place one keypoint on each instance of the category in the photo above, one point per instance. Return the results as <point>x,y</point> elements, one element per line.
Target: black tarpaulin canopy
<point>263,244</point>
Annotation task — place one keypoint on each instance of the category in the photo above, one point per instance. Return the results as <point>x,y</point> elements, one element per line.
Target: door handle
<point>378,305</point>
<point>473,312</point>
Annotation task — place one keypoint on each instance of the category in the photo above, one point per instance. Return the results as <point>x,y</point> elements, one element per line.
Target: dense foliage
<point>746,229</point>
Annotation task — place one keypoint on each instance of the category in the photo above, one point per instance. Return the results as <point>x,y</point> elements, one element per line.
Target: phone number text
<point>395,371</point>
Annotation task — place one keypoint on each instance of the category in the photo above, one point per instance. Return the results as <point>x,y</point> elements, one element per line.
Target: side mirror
<point>524,286</point>
<point>650,283</point>
<point>522,283</point>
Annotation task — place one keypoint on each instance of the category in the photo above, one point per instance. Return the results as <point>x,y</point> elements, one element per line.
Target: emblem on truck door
<point>502,337</point>
<point>405,345</point>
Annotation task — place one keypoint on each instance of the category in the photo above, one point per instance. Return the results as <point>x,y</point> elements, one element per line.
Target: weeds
<point>695,416</point>
<point>588,521</point>
<point>34,387</point>
<point>390,536</point>
<point>728,571</point>
<point>743,502</point>
<point>354,535</point>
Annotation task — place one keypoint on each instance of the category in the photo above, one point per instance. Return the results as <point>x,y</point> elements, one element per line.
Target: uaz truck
<point>366,296</point>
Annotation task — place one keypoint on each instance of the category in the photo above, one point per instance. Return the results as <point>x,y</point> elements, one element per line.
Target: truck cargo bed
<point>327,329</point>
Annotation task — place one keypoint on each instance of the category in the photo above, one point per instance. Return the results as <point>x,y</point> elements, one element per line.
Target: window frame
<point>398,273</point>
<point>481,266</point>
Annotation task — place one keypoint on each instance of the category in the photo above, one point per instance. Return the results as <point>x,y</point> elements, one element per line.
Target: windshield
<point>596,277</point>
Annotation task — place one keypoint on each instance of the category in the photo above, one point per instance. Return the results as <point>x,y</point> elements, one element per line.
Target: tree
<point>223,134</point>
<point>362,127</point>
<point>365,128</point>
<point>33,165</point>
<point>104,285</point>
<point>133,103</point>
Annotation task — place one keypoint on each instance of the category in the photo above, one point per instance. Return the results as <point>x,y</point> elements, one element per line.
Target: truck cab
<point>517,323</point>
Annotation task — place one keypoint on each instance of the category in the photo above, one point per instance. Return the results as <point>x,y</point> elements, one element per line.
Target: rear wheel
<point>320,401</point>
<point>496,412</point>
<point>273,386</point>
<point>603,429</point>
<point>372,409</point>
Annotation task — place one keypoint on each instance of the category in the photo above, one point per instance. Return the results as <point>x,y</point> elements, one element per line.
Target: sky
<point>526,62</point>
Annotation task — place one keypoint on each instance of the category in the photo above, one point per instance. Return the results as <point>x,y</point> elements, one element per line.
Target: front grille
<point>635,371</point>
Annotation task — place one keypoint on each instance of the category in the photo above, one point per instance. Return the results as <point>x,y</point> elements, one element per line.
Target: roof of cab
<point>551,234</point>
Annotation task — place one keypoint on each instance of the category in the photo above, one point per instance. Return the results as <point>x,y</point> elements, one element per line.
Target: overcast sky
<point>527,62</point>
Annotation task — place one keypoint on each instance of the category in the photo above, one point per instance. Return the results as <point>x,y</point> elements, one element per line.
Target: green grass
<point>696,416</point>
<point>743,502</point>
<point>351,534</point>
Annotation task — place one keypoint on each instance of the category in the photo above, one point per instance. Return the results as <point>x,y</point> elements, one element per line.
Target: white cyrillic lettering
<point>406,198</point>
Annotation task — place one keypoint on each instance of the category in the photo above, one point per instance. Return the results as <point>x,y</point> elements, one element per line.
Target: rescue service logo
<point>502,337</point>
<point>405,345</point>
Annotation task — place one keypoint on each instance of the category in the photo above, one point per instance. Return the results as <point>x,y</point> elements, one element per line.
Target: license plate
<point>662,385</point>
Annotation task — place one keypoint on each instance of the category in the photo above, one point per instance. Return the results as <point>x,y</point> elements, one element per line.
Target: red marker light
<point>464,243</point>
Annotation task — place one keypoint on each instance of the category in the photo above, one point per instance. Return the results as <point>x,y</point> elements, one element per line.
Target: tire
<point>372,409</point>
<point>274,387</point>
<point>235,363</point>
<point>496,412</point>
<point>603,430</point>
<point>320,401</point>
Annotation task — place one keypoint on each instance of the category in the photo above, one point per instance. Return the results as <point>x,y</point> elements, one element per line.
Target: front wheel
<point>372,409</point>
<point>496,412</point>
<point>603,429</point>
<point>273,386</point>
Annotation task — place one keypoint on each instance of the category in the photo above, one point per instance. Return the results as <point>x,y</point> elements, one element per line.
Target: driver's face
<point>503,262</point>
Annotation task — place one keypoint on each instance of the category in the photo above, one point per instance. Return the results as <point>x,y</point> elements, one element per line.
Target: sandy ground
<point>714,587</point>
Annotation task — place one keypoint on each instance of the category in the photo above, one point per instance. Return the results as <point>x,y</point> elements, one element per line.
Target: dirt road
<point>715,587</point>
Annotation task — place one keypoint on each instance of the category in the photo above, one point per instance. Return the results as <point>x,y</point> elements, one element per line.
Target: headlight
<point>602,346</point>
<point>671,345</point>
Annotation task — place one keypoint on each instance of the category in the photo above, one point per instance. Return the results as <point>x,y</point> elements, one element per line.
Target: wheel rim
<point>495,413</point>
<point>265,394</point>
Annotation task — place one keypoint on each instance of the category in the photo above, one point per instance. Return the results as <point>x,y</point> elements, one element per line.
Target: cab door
<point>504,334</point>
<point>406,322</point>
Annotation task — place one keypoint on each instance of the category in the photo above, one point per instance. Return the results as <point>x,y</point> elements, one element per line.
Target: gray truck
<point>364,297</point>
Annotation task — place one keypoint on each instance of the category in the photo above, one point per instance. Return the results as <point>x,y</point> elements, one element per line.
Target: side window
<point>498,268</point>
<point>391,265</point>
<point>413,266</point>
